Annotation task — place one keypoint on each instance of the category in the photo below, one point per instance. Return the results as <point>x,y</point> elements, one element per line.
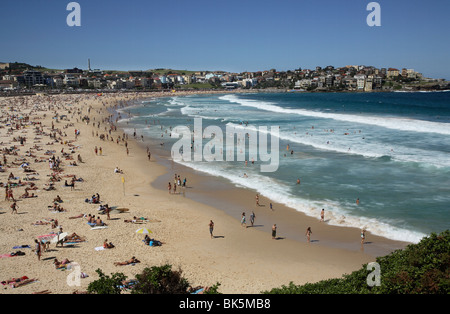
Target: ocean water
<point>389,150</point>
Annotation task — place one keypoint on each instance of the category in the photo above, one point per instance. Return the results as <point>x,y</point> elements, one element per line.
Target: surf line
<point>191,143</point>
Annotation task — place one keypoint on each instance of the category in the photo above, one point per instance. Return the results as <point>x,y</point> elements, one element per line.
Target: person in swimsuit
<point>274,231</point>
<point>252,218</point>
<point>38,249</point>
<point>243,222</point>
<point>308,234</point>
<point>211,228</point>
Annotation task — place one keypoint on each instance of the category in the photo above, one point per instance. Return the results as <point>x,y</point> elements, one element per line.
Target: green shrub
<point>106,284</point>
<point>422,268</point>
<point>160,280</point>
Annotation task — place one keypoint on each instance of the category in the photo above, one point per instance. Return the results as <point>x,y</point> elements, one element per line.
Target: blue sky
<point>232,35</point>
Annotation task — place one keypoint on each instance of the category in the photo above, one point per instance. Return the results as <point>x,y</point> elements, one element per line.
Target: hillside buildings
<point>357,78</point>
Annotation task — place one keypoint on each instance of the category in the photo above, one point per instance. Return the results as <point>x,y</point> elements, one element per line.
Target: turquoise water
<point>389,150</point>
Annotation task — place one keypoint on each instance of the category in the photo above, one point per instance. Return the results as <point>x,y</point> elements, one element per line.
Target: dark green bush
<point>106,284</point>
<point>160,280</point>
<point>422,268</point>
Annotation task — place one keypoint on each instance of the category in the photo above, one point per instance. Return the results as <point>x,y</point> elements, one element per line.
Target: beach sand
<point>242,260</point>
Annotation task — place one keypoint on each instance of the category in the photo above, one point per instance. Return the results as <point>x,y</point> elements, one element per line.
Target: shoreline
<point>206,189</point>
<point>243,260</point>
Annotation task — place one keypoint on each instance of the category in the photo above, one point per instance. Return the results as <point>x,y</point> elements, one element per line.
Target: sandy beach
<point>243,260</point>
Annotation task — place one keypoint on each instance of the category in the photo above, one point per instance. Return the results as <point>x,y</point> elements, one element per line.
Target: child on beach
<point>308,234</point>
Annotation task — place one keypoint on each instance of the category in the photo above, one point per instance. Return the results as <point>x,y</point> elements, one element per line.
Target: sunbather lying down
<point>12,280</point>
<point>74,238</point>
<point>17,282</point>
<point>137,220</point>
<point>132,260</point>
<point>63,263</point>
<point>151,242</point>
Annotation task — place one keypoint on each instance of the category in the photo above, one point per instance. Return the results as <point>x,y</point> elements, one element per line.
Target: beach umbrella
<point>143,231</point>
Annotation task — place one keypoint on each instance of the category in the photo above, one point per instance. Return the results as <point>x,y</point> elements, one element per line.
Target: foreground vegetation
<point>422,268</point>
<point>153,280</point>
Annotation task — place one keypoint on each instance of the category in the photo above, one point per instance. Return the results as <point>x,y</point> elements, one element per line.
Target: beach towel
<point>99,248</point>
<point>5,282</point>
<point>21,247</point>
<point>74,242</point>
<point>99,227</point>
<point>47,236</point>
<point>22,283</point>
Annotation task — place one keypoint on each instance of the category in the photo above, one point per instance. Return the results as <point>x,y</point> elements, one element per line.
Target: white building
<point>71,80</point>
<point>360,81</point>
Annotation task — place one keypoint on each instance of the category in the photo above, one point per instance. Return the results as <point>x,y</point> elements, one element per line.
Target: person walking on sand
<point>243,223</point>
<point>14,208</point>
<point>274,231</point>
<point>37,249</point>
<point>252,218</point>
<point>322,215</point>
<point>308,234</point>
<point>211,228</point>
<point>363,236</point>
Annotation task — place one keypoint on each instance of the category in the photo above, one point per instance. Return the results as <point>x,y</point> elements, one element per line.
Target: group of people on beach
<point>176,182</point>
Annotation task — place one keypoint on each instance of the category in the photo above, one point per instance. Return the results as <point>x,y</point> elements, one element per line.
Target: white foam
<point>403,124</point>
<point>365,149</point>
<point>336,215</point>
